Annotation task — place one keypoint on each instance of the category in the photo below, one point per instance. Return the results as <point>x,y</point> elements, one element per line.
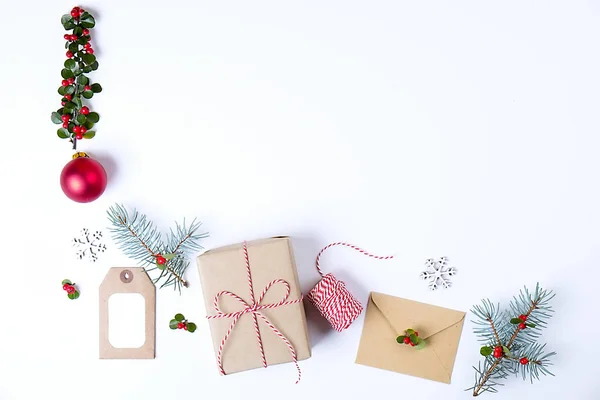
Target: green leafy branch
<point>140,239</point>
<point>76,118</point>
<point>511,339</point>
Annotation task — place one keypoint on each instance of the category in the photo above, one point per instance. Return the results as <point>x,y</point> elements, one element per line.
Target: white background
<point>467,129</point>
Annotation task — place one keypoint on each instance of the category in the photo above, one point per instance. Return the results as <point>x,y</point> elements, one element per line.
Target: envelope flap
<point>427,319</point>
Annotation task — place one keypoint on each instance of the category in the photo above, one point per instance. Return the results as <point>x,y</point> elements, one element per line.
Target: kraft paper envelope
<point>388,317</point>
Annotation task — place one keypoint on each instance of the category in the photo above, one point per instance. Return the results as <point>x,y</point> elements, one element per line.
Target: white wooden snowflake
<point>89,245</point>
<point>437,273</point>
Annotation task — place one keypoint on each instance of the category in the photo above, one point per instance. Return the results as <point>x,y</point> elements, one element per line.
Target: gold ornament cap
<point>80,154</point>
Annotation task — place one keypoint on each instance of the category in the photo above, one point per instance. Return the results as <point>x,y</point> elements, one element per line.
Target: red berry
<point>70,289</point>
<point>86,31</point>
<point>82,129</point>
<point>69,54</point>
<point>68,97</point>
<point>497,354</point>
<point>77,129</point>
<point>78,136</point>
<point>85,110</point>
<point>412,344</point>
<point>75,13</point>
<point>160,260</point>
<point>407,340</point>
<point>74,38</point>
<point>65,125</point>
<point>62,103</point>
<point>87,45</point>
<point>185,326</point>
<point>180,325</point>
<point>524,361</point>
<point>65,82</point>
<point>66,118</point>
<point>67,36</point>
<point>66,286</point>
<point>90,50</point>
<point>87,87</point>
<point>523,317</point>
<point>71,81</point>
<point>416,333</point>
<point>522,325</point>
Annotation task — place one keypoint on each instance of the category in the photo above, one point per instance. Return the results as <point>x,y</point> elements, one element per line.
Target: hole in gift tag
<point>126,276</point>
<point>126,319</point>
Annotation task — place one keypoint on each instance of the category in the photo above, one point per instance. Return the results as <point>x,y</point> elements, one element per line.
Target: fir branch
<point>139,239</point>
<point>495,329</point>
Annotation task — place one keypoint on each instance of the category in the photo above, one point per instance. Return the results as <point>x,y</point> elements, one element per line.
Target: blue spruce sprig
<point>511,339</point>
<point>141,240</point>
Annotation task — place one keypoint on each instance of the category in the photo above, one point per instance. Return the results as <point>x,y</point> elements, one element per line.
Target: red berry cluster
<point>498,352</point>
<point>69,288</point>
<point>523,318</point>
<point>179,322</point>
<point>409,342</point>
<point>182,325</point>
<point>77,119</point>
<point>160,259</point>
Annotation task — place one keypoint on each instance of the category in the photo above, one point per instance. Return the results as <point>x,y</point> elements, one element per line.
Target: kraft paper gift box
<point>388,317</point>
<point>224,270</point>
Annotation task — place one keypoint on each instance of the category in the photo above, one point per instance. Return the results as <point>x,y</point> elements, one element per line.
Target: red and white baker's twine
<point>254,309</point>
<point>330,296</point>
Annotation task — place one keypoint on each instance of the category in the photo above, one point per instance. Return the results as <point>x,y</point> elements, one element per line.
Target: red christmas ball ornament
<point>83,179</point>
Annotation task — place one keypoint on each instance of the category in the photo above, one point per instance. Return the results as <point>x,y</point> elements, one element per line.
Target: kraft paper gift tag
<point>388,317</point>
<point>118,288</point>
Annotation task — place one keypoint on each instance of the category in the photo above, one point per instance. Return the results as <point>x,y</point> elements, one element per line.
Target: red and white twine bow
<point>330,296</point>
<point>253,308</point>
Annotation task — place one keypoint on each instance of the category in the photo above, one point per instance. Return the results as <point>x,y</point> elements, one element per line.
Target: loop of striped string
<point>253,308</point>
<point>331,297</point>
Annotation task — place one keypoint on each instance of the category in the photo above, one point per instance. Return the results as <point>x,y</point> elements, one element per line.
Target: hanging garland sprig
<point>76,117</point>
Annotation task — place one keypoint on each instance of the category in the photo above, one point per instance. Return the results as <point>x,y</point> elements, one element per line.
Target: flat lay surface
<point>465,130</point>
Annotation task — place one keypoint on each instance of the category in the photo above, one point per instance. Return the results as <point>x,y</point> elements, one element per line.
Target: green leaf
<point>71,296</point>
<point>67,73</point>
<point>77,101</point>
<point>486,351</point>
<point>506,351</point>
<point>88,21</point>
<point>66,282</point>
<point>83,80</point>
<point>420,346</point>
<point>191,327</point>
<point>89,125</point>
<point>515,321</point>
<point>94,65</point>
<point>400,339</point>
<point>88,58</point>
<point>414,338</point>
<point>410,332</point>
<point>56,118</point>
<point>94,117</point>
<point>62,133</point>
<point>88,94</point>
<point>87,69</point>
<point>67,22</point>
<point>78,30</point>
<point>173,324</point>
<point>530,325</point>
<point>73,47</point>
<point>81,119</point>
<point>89,134</point>
<point>69,89</point>
<point>169,256</point>
<point>61,90</point>
<point>179,317</point>
<point>75,295</point>
<point>96,88</point>
<point>161,267</point>
<point>70,64</point>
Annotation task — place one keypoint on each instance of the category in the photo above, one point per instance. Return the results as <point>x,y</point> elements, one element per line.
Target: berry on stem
<point>522,325</point>
<point>86,31</point>
<point>78,136</point>
<point>65,82</point>
<point>523,317</point>
<point>87,87</point>
<point>62,103</point>
<point>85,110</point>
<point>67,36</point>
<point>82,129</point>
<point>77,129</point>
<point>66,286</point>
<point>71,80</point>
<point>407,340</point>
<point>88,45</point>
<point>68,97</point>
<point>66,118</point>
<point>524,361</point>
<point>65,125</point>
<point>185,326</point>
<point>69,54</point>
<point>180,325</point>
<point>89,50</point>
<point>160,260</point>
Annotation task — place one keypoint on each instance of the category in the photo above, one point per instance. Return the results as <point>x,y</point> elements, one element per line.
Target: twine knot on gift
<point>253,308</point>
<point>331,297</point>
